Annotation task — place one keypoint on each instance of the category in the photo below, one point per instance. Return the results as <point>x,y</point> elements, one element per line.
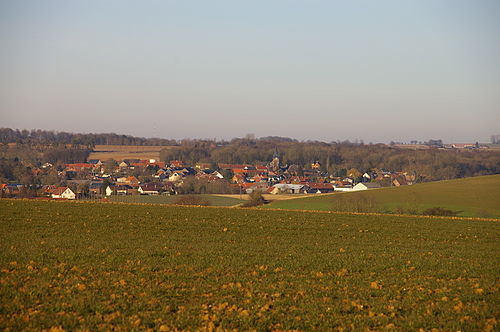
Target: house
<point>12,189</point>
<point>218,175</point>
<point>3,189</point>
<point>176,176</point>
<point>366,186</point>
<point>342,186</point>
<point>122,189</point>
<point>154,188</point>
<point>238,178</point>
<point>259,178</point>
<point>251,187</point>
<point>95,187</point>
<point>95,162</point>
<point>399,181</point>
<point>63,192</point>
<point>176,163</point>
<point>140,163</point>
<point>133,181</point>
<point>320,188</point>
<point>123,164</point>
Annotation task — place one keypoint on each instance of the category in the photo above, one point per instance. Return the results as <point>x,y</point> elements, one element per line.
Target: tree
<point>105,184</point>
<point>255,199</point>
<point>83,190</point>
<point>109,165</point>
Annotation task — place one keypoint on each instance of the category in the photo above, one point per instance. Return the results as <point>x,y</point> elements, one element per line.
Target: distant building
<point>366,186</point>
<point>63,192</point>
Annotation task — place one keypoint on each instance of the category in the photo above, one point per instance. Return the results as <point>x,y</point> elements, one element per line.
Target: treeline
<point>39,154</point>
<point>48,137</point>
<point>337,158</point>
<point>18,162</point>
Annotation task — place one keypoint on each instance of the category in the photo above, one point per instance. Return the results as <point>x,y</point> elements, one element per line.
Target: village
<point>96,179</point>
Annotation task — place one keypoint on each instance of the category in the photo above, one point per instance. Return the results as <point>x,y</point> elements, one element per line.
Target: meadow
<point>102,266</point>
<point>121,152</point>
<point>469,197</point>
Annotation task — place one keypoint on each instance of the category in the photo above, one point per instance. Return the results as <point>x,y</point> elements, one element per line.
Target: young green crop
<point>99,266</point>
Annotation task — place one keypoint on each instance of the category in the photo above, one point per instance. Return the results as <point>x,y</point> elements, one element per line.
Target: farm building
<point>285,188</point>
<point>366,186</point>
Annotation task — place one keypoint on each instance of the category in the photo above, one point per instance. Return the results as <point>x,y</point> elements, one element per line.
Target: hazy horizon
<point>318,70</point>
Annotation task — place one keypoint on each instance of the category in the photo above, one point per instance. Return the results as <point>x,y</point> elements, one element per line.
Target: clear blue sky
<point>328,70</point>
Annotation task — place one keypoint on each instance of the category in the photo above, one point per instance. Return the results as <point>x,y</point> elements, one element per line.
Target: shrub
<point>191,200</point>
<point>256,199</point>
<point>439,211</point>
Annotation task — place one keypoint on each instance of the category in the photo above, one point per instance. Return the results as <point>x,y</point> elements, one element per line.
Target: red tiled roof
<point>58,190</point>
<point>316,185</point>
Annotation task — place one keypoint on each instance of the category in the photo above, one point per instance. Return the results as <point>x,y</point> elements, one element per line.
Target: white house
<point>149,189</point>
<point>121,189</point>
<point>63,192</point>
<point>366,186</point>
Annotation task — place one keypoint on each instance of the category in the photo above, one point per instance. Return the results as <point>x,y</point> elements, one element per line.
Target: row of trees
<point>49,137</point>
<point>37,155</point>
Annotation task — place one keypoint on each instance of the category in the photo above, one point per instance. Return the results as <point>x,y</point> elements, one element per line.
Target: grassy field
<point>473,197</point>
<point>213,200</point>
<point>120,152</point>
<point>102,266</point>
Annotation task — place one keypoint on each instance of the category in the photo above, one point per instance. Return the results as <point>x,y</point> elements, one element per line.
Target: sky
<point>377,71</point>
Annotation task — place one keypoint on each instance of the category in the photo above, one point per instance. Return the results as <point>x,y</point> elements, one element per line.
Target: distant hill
<point>471,197</point>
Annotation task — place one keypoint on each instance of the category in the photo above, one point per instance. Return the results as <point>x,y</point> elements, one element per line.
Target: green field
<point>213,200</point>
<point>102,266</point>
<point>472,197</point>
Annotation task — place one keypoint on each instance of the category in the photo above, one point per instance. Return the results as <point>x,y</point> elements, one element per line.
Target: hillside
<point>68,266</point>
<point>471,197</point>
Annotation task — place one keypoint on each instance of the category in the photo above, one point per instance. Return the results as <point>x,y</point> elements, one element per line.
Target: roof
<point>289,186</point>
<point>370,184</point>
<point>316,185</point>
<point>154,186</point>
<point>120,187</point>
<point>58,190</point>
